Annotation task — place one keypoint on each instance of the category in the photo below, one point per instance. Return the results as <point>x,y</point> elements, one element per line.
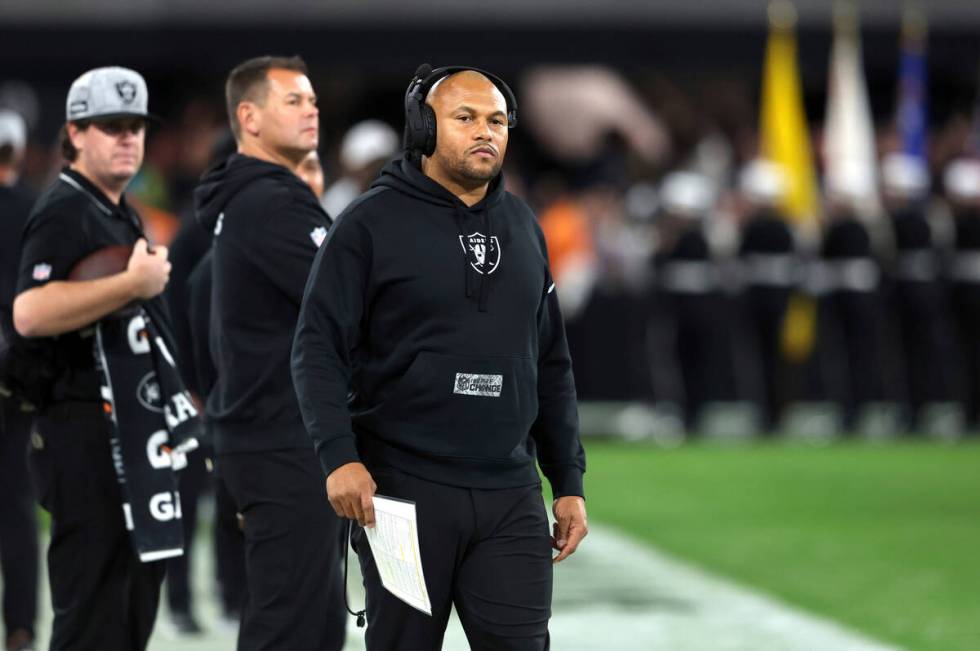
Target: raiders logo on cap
<point>127,91</point>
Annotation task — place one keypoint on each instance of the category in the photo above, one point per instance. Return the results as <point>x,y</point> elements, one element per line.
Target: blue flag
<point>911,115</point>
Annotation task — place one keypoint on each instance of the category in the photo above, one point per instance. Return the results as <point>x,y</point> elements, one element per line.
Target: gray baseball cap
<point>13,130</point>
<point>107,93</point>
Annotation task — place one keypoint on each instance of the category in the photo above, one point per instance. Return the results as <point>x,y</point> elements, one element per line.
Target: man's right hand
<point>149,271</point>
<point>349,490</point>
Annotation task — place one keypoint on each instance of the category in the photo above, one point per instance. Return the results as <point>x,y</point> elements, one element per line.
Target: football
<point>104,262</point>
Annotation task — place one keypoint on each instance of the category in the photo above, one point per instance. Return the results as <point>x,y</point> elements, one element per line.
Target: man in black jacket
<point>267,227</point>
<point>432,305</point>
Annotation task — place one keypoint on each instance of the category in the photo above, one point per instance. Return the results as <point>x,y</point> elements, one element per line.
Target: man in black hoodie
<point>267,227</point>
<point>431,365</point>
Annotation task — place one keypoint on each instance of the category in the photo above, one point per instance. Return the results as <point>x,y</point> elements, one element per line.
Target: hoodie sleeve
<point>327,331</point>
<point>555,431</point>
<point>284,246</point>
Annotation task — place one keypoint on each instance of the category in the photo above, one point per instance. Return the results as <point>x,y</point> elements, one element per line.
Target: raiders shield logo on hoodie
<point>482,258</point>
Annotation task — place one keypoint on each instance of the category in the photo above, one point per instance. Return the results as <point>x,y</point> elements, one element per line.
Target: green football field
<point>884,538</point>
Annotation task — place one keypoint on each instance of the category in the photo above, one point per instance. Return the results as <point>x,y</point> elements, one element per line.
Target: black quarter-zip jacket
<point>430,340</point>
<point>267,226</point>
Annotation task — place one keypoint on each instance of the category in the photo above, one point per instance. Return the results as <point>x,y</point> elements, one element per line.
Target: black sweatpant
<point>229,549</point>
<point>488,552</point>
<point>294,598</point>
<point>103,597</point>
<point>18,521</point>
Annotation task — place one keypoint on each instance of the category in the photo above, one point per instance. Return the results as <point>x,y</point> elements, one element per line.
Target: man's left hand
<point>571,525</point>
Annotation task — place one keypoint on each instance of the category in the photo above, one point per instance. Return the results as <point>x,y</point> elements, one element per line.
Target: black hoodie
<point>267,227</point>
<point>430,340</point>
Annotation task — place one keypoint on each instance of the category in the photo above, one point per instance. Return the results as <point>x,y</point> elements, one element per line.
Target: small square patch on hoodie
<point>472,384</point>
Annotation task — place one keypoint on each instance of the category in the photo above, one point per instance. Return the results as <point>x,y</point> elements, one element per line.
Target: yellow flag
<point>785,138</point>
<point>799,332</point>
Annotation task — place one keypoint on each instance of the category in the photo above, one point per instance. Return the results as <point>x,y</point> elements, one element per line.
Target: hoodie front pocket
<point>464,406</point>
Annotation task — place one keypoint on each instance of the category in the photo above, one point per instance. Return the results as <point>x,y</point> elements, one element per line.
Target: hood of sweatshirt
<point>223,181</point>
<point>405,175</point>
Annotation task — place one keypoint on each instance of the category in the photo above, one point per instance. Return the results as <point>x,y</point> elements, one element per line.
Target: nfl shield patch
<point>318,234</point>
<point>41,272</point>
<point>477,384</point>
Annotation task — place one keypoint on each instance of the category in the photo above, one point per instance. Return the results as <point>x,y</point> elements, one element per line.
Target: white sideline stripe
<point>613,594</point>
<point>687,608</point>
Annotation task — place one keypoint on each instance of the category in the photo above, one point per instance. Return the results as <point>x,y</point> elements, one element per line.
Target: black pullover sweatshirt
<point>431,341</point>
<point>267,226</point>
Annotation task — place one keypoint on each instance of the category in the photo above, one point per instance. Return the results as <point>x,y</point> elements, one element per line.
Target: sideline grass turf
<point>883,538</point>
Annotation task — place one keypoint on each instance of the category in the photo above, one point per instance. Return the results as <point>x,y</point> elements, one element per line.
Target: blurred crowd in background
<point>719,246</point>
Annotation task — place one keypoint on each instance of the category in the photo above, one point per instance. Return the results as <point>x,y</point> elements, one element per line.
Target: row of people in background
<point>678,293</point>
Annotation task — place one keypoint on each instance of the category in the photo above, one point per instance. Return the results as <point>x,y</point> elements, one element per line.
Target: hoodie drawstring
<point>462,234</point>
<point>485,278</point>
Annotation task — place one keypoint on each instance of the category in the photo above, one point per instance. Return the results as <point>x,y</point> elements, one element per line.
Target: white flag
<point>849,137</point>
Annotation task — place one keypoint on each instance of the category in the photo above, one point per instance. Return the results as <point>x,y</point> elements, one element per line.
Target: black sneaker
<point>185,624</point>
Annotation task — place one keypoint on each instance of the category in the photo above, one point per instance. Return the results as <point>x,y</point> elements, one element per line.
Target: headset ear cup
<point>429,119</point>
<point>414,125</point>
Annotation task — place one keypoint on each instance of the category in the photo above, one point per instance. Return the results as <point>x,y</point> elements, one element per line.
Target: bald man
<point>431,366</point>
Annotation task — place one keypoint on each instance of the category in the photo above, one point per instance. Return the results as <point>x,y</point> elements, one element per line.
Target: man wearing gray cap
<point>18,524</point>
<point>103,596</point>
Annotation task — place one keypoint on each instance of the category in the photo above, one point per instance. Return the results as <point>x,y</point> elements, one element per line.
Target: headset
<point>420,119</point>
